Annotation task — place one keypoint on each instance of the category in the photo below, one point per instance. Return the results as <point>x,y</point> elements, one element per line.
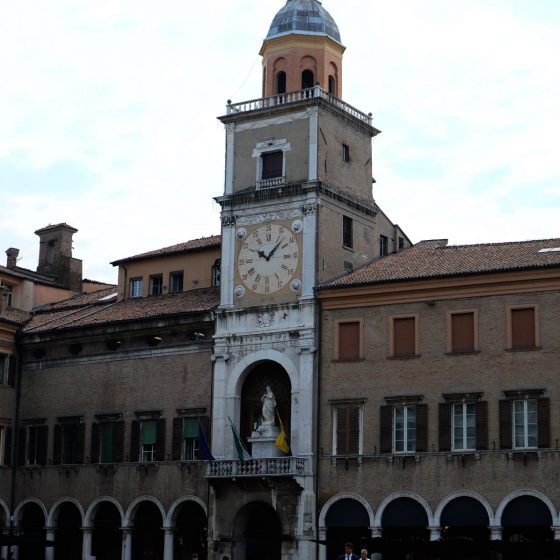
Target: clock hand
<point>274,249</point>
<point>259,253</point>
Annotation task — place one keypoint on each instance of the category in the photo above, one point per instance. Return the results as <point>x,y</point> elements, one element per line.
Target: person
<point>363,554</point>
<point>268,407</point>
<point>194,556</point>
<point>348,553</point>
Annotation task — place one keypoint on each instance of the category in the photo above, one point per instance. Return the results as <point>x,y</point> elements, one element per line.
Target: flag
<point>244,455</point>
<point>282,440</point>
<point>204,453</point>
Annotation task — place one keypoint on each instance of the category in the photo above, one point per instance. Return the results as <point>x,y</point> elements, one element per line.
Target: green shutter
<point>107,442</point>
<point>148,432</point>
<point>190,427</point>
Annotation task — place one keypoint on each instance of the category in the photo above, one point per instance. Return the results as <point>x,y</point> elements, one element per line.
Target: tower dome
<point>305,17</point>
<point>302,50</point>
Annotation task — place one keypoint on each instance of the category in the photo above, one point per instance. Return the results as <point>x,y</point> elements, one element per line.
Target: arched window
<point>281,82</point>
<point>307,79</point>
<point>332,85</point>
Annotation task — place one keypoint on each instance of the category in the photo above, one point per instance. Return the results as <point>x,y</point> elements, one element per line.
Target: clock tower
<point>297,210</point>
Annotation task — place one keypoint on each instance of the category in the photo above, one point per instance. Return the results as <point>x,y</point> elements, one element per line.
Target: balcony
<point>272,467</point>
<point>296,97</point>
<point>269,183</point>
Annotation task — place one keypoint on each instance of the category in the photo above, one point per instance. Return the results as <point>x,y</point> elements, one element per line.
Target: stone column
<point>435,533</point>
<point>322,547</point>
<point>495,533</point>
<point>49,550</point>
<point>556,530</point>
<point>126,543</point>
<point>168,543</point>
<point>86,542</point>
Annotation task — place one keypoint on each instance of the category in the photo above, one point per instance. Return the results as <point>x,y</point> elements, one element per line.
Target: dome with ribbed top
<point>306,17</point>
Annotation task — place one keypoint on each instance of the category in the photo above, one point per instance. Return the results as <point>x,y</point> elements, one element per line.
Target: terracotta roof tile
<point>435,259</point>
<point>16,316</point>
<point>212,242</point>
<point>101,297</point>
<point>192,301</point>
<point>18,272</point>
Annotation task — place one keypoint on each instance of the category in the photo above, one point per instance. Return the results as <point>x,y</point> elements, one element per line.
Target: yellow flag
<point>281,441</point>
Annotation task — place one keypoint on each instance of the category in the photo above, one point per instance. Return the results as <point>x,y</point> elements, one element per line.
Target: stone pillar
<point>86,542</point>
<point>168,543</point>
<point>50,536</point>
<point>322,547</point>
<point>126,543</point>
<point>495,533</point>
<point>556,530</point>
<point>435,533</point>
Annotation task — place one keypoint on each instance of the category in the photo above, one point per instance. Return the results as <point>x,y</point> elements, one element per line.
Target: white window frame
<point>464,428</point>
<point>136,287</point>
<point>348,404</point>
<point>406,439</point>
<point>271,145</point>
<point>526,425</point>
<point>147,450</point>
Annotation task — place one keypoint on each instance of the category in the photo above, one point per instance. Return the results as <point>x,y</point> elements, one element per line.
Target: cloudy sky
<point>108,116</point>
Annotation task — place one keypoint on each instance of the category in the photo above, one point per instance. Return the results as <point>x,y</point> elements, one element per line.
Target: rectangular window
<point>156,285</point>
<point>33,439</point>
<point>345,152</point>
<point>136,287</point>
<point>525,423</point>
<point>347,232</point>
<point>404,431</point>
<point>464,426</point>
<point>348,343</point>
<point>404,336</point>
<point>3,369</point>
<point>272,165</point>
<point>190,447</point>
<point>216,273</point>
<point>383,245</point>
<point>401,243</point>
<point>148,434</point>
<point>523,330</point>
<point>176,282</point>
<point>2,444</point>
<point>463,332</point>
<point>347,422</point>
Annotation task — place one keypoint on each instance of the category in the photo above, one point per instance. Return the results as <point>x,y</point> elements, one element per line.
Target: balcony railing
<point>268,183</point>
<point>295,97</point>
<point>277,466</point>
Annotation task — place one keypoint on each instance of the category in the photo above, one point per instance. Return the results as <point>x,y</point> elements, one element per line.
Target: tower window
<point>281,82</point>
<point>347,232</point>
<point>383,245</point>
<point>307,79</point>
<point>272,163</point>
<point>332,85</point>
<point>345,152</point>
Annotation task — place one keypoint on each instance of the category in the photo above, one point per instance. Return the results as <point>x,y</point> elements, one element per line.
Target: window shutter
<point>349,341</point>
<point>95,442</point>
<point>481,419</point>
<point>462,332</point>
<point>42,444</point>
<point>177,439</point>
<point>57,445</point>
<point>135,441</point>
<point>421,428</point>
<point>353,433</point>
<point>523,328</point>
<point>543,419</point>
<point>118,442</point>
<point>12,370</point>
<point>505,425</point>
<point>22,445</point>
<point>80,443</point>
<point>8,446</point>
<point>445,426</point>
<point>160,439</point>
<point>386,429</point>
<point>404,336</point>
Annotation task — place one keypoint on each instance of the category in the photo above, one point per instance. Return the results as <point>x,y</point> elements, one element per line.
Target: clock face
<point>268,258</point>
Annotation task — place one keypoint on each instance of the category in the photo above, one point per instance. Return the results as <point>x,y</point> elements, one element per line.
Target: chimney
<point>4,298</point>
<point>55,256</point>
<point>12,253</point>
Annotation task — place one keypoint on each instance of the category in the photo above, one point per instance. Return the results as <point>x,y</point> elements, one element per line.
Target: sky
<point>108,116</point>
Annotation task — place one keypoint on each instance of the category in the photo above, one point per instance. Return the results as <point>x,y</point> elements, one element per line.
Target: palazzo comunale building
<point>305,378</point>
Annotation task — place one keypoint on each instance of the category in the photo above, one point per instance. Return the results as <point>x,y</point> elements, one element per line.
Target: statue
<point>268,407</point>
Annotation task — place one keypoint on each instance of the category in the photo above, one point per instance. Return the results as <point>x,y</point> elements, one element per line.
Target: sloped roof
<point>201,244</point>
<point>16,316</point>
<point>108,311</point>
<point>436,259</point>
<point>26,274</point>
